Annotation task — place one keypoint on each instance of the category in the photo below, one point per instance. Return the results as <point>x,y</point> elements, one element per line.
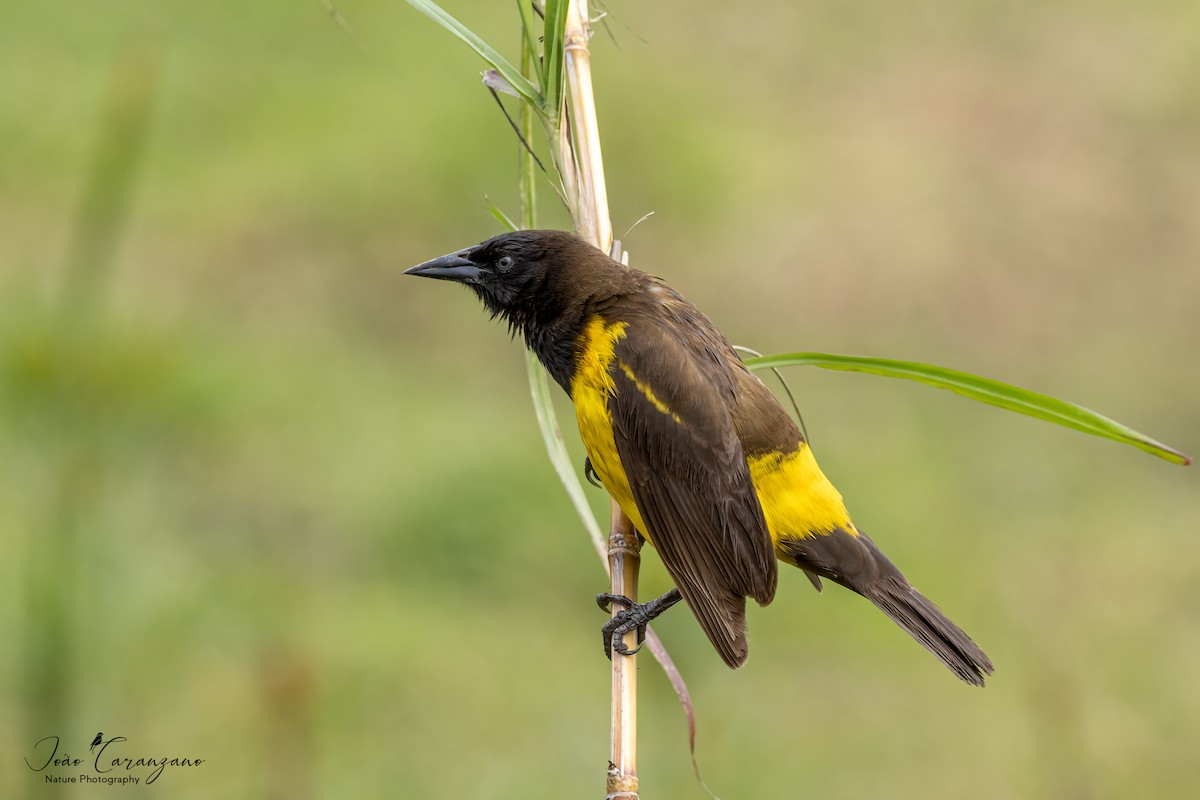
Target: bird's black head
<point>524,277</point>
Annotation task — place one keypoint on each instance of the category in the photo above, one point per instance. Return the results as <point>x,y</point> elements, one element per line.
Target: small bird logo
<point>99,738</point>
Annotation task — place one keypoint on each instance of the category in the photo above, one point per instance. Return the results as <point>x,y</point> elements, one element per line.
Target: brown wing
<point>688,474</point>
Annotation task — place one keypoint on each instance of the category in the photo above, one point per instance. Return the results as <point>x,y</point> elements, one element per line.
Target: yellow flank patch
<point>797,499</point>
<point>591,387</point>
<point>648,392</point>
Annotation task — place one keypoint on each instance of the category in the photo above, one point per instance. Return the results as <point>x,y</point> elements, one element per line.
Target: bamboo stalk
<point>623,561</point>
<point>592,219</point>
<point>584,172</point>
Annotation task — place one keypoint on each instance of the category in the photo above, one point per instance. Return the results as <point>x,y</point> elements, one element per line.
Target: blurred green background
<point>265,503</point>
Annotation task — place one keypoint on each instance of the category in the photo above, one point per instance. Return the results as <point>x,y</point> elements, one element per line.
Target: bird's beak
<point>450,267</point>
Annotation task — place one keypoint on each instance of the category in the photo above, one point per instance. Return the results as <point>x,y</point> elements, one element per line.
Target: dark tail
<point>856,563</point>
<point>912,611</point>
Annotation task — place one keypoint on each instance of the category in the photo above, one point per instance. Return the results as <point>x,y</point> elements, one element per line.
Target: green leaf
<point>529,34</point>
<point>553,36</point>
<point>499,214</point>
<point>511,74</point>
<point>985,390</point>
<point>527,176</point>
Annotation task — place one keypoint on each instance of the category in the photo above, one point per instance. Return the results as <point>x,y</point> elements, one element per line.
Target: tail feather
<point>853,560</point>
<point>925,622</point>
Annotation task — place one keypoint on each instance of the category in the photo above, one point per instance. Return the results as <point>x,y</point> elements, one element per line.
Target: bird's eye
<point>505,263</point>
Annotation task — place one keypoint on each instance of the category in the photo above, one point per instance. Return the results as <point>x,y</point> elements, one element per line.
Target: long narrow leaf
<point>499,214</point>
<point>529,35</point>
<point>486,51</point>
<point>553,36</point>
<point>526,177</point>
<point>984,390</point>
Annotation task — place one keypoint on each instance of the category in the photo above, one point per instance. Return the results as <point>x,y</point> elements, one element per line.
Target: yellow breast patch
<point>591,387</point>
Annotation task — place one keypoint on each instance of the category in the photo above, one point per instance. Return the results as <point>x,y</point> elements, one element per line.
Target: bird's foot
<point>634,617</point>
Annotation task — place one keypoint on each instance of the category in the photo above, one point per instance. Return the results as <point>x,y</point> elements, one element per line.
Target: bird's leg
<point>634,617</point>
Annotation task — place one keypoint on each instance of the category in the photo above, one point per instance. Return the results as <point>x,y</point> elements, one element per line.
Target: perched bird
<point>699,454</point>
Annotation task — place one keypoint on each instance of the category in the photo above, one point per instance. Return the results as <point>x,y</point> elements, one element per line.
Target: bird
<point>699,454</point>
<point>99,738</point>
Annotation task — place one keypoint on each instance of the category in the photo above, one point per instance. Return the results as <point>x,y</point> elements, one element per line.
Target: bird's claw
<point>590,473</point>
<point>605,601</point>
<point>633,617</point>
